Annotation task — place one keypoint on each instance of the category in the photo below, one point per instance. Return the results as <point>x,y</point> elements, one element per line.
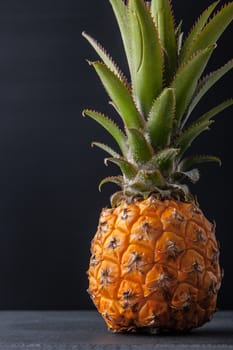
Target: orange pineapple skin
<point>154,266</point>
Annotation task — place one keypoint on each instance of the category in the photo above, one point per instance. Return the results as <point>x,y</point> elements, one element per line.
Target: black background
<point>49,200</point>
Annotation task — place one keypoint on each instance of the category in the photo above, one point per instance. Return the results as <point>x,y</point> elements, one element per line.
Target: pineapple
<point>155,259</point>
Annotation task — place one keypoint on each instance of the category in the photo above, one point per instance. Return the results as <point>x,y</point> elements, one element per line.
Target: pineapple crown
<point>155,105</point>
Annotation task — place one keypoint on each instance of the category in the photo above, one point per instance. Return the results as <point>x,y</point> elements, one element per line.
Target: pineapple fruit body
<point>154,266</point>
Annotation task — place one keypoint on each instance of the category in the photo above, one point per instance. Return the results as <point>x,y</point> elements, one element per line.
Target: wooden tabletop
<point>74,330</point>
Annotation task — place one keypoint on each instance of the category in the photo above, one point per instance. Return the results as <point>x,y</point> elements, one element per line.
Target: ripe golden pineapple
<point>155,258</point>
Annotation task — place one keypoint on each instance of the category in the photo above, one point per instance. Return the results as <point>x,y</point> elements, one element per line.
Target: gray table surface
<point>74,330</point>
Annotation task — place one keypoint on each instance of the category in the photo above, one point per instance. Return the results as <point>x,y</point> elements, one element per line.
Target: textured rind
<point>154,266</point>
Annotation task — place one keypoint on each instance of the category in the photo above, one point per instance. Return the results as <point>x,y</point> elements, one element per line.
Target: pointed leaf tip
<point>89,62</point>
<point>196,30</point>
<point>216,110</point>
<point>213,29</point>
<point>105,148</point>
<point>109,126</point>
<point>118,180</point>
<point>191,161</point>
<point>127,168</point>
<point>106,58</point>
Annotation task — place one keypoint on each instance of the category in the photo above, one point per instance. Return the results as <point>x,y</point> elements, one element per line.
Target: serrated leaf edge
<point>196,22</point>
<point>202,84</point>
<point>127,87</point>
<point>122,143</point>
<point>121,161</point>
<point>198,159</point>
<point>105,148</point>
<point>186,63</point>
<point>210,19</point>
<point>161,54</point>
<point>116,69</point>
<point>118,180</point>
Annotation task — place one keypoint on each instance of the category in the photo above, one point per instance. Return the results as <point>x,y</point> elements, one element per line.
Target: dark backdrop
<point>49,201</point>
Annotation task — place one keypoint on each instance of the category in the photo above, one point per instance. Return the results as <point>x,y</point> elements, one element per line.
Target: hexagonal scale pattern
<point>154,265</point>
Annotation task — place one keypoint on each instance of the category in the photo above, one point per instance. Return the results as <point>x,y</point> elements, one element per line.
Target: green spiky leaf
<point>197,28</point>
<point>127,168</point>
<point>184,141</point>
<point>186,79</point>
<point>106,148</point>
<point>165,155</point>
<point>119,196</point>
<point>118,180</point>
<point>107,59</point>
<point>216,110</point>
<point>190,161</point>
<point>166,85</point>
<point>212,31</point>
<point>163,160</point>
<point>121,14</point>
<point>145,180</point>
<point>206,83</point>
<point>120,96</point>
<point>192,175</point>
<point>110,126</point>
<point>141,151</point>
<point>162,13</point>
<point>146,55</point>
<point>189,135</point>
<point>161,116</point>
